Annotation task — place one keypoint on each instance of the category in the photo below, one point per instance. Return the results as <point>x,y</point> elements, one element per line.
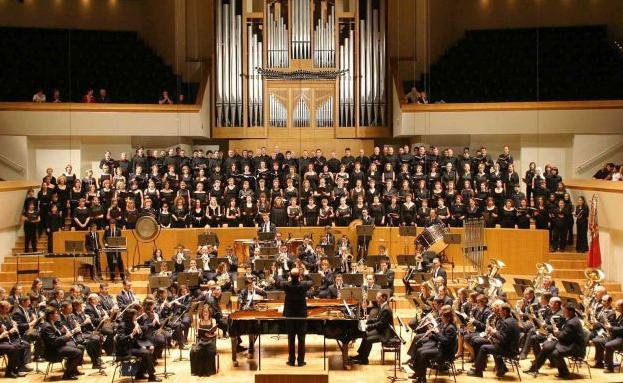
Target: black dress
<point>581,221</point>
<point>203,353</point>
<point>278,216</point>
<point>311,215</point>
<point>507,218</point>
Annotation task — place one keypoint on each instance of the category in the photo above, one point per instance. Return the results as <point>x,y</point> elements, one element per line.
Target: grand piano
<point>327,317</point>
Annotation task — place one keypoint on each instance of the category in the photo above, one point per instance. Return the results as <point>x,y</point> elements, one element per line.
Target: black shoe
<point>291,364</point>
<point>598,365</point>
<point>154,378</point>
<point>78,373</point>
<point>563,375</point>
<point>69,377</point>
<point>360,361</point>
<point>241,349</point>
<point>608,370</point>
<point>301,364</point>
<point>25,369</point>
<point>474,373</point>
<point>11,375</point>
<point>501,372</point>
<point>140,377</point>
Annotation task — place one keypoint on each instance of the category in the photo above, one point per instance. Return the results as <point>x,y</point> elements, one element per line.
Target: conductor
<point>295,306</point>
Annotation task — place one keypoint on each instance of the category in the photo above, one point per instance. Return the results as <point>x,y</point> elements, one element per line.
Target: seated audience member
<point>164,98</point>
<point>89,97</point>
<point>39,96</point>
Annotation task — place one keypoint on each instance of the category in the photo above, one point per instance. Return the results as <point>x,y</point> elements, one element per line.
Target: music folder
<point>406,260</point>
<point>271,251</point>
<point>156,282</point>
<point>381,280</point>
<point>407,231</point>
<point>334,262</point>
<point>375,260</point>
<point>372,293</point>
<point>207,239</point>
<point>214,262</point>
<point>329,250</point>
<point>365,230</point>
<point>519,289</point>
<point>348,293</point>
<point>262,236</point>
<point>188,279</point>
<point>572,287</point>
<point>117,242</point>
<point>74,246</point>
<point>262,264</point>
<point>316,278</point>
<point>353,279</point>
<point>523,282</point>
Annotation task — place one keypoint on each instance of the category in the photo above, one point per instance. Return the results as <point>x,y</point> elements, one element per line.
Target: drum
<point>432,238</point>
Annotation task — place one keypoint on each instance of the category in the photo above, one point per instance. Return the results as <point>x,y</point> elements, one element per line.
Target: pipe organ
<point>316,63</point>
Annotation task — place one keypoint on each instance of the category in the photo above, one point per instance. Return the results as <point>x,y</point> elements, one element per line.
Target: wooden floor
<point>274,356</point>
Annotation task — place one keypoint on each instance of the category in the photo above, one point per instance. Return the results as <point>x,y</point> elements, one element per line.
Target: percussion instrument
<point>432,238</point>
<point>147,228</point>
<point>241,249</point>
<point>293,245</point>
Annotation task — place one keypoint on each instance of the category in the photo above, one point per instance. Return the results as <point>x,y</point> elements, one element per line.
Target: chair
<point>119,361</point>
<point>392,346</point>
<point>513,361</point>
<point>52,362</point>
<point>578,361</point>
<point>441,365</point>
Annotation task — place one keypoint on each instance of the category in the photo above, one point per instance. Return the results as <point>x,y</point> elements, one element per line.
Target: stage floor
<point>274,356</point>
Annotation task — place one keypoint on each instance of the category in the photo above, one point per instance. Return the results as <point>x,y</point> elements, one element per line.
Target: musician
<point>504,342</point>
<point>246,301</point>
<point>307,255</point>
<point>127,344</point>
<point>107,302</point>
<point>443,296</point>
<point>545,314</point>
<point>92,245</point>
<point>58,296</point>
<point>113,257</point>
<point>606,315</point>
<point>152,321</point>
<point>213,300</point>
<point>611,341</point>
<point>126,296</point>
<point>432,219</point>
<point>92,343</point>
<point>440,345</point>
<point>59,344</point>
<point>549,287</point>
<point>295,305</point>
<point>481,317</point>
<point>377,329</point>
<point>178,259</point>
<point>27,321</point>
<point>285,261</point>
<point>570,340</point>
<point>328,238</point>
<point>203,353</point>
<point>266,226</point>
<point>369,284</point>
<point>334,290</point>
<point>101,322</point>
<point>438,271</point>
<point>11,343</point>
<point>388,273</point>
<point>364,241</point>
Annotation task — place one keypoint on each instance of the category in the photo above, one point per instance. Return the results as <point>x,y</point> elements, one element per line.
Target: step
<point>568,273</point>
<point>11,277</point>
<point>568,264</point>
<point>567,256</point>
<point>12,267</point>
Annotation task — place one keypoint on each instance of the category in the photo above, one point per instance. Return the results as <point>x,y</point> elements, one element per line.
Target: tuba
<point>593,277</point>
<point>495,265</point>
<point>543,269</point>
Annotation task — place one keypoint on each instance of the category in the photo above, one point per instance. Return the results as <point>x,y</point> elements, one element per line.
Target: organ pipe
<point>255,87</point>
<point>372,64</point>
<point>228,63</point>
<point>324,38</point>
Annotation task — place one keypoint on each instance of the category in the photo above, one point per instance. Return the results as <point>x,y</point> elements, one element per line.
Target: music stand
<point>372,293</point>
<point>156,282</point>
<point>519,289</point>
<point>316,278</point>
<point>204,239</point>
<point>334,262</point>
<point>404,232</point>
<point>214,262</point>
<point>572,287</point>
<point>375,260</point>
<point>189,279</point>
<point>406,260</point>
<point>329,250</point>
<point>276,295</point>
<point>262,264</point>
<point>240,281</point>
<point>225,299</point>
<point>353,279</point>
<point>158,266</point>
<point>121,244</point>
<point>523,282</point>
<point>347,293</point>
<point>381,280</point>
<point>269,250</point>
<point>266,237</point>
<point>74,247</point>
<point>365,231</point>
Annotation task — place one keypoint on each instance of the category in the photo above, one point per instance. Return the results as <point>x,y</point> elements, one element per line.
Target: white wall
<point>15,150</point>
<point>55,153</point>
<point>592,150</point>
<point>11,202</point>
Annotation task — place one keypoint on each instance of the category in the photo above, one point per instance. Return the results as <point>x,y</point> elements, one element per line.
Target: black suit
<point>92,244</point>
<point>442,345</point>
<point>295,306</point>
<point>608,345</point>
<point>506,344</point>
<point>57,346</point>
<point>377,330</point>
<point>571,341</point>
<point>125,298</point>
<point>440,272</point>
<point>114,258</point>
<point>267,227</point>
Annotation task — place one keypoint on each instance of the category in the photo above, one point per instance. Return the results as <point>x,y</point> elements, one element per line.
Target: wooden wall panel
<point>519,249</point>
